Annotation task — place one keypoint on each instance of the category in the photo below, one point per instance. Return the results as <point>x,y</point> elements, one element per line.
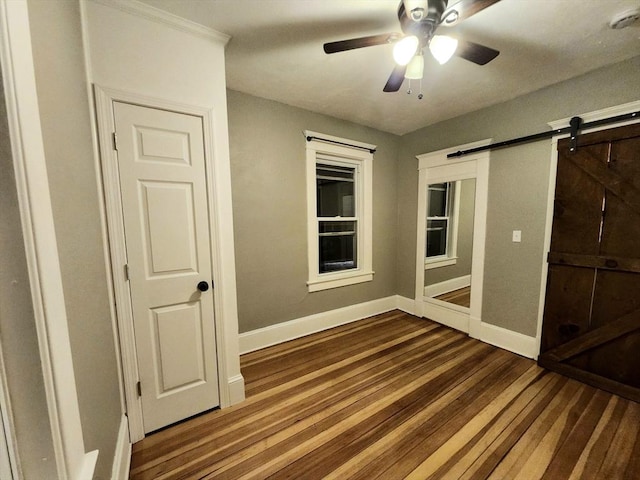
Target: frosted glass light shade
<point>415,69</point>
<point>405,49</point>
<point>443,47</point>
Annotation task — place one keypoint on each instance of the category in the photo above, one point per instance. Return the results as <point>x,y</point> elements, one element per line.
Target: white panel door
<point>164,199</point>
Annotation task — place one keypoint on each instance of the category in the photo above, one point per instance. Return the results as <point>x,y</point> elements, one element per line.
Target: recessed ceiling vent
<point>624,19</point>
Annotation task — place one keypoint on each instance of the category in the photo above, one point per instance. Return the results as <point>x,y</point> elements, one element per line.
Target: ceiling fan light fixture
<point>405,49</point>
<point>415,68</point>
<point>443,47</point>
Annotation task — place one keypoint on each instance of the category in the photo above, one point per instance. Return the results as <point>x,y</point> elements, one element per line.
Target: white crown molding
<point>160,16</point>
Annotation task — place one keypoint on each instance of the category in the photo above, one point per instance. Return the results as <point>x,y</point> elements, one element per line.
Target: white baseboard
<point>236,390</point>
<point>509,340</point>
<point>407,305</point>
<point>447,286</point>
<point>282,332</point>
<point>122,455</point>
<point>88,466</point>
<point>265,337</point>
<point>447,314</point>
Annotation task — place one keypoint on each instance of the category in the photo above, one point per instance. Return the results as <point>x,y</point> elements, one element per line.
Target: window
<point>441,224</point>
<point>339,197</point>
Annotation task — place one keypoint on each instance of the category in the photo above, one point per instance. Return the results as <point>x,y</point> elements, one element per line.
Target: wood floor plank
<point>536,447</point>
<point>576,439</point>
<point>453,346</point>
<point>535,398</point>
<point>393,397</point>
<point>592,455</point>
<point>384,455</point>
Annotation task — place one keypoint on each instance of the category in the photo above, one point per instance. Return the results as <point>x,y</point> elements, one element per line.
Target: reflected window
<point>441,208</point>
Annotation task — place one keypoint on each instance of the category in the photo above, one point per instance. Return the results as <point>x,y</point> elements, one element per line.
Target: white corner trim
<point>407,305</point>
<point>38,230</point>
<point>509,340</point>
<point>9,460</point>
<point>88,465</point>
<point>122,455</point>
<point>160,16</point>
<point>300,327</point>
<point>236,389</point>
<point>447,286</point>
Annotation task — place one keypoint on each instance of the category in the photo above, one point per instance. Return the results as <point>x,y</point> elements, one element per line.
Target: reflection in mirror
<point>449,241</point>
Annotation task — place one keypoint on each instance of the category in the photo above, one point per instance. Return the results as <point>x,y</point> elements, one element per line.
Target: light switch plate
<point>517,236</point>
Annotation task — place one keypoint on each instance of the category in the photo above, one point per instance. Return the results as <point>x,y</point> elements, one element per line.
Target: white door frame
<point>231,386</point>
<point>45,281</point>
<point>435,167</point>
<point>9,465</point>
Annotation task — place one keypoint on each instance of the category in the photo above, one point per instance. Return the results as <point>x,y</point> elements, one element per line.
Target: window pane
<point>436,237</point>
<point>337,246</point>
<point>335,191</point>
<point>438,200</point>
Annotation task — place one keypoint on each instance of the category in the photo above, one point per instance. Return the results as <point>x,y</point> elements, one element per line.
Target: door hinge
<point>115,141</point>
<point>139,389</point>
<point>126,272</point>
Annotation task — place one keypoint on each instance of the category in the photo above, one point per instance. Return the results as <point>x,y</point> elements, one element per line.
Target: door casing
<point>435,167</point>
<point>104,98</point>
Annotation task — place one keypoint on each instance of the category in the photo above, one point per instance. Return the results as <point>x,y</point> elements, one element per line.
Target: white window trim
<point>363,158</point>
<point>451,258</point>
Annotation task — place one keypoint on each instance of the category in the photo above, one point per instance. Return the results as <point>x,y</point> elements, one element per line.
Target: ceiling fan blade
<point>464,9</point>
<point>343,45</point>
<point>395,79</point>
<point>476,53</point>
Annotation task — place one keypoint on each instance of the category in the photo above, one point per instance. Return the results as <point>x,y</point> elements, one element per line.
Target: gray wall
<point>65,119</point>
<point>269,208</point>
<point>464,247</point>
<point>20,352</point>
<point>518,185</point>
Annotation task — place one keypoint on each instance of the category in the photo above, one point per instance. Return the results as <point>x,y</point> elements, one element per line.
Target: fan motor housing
<point>425,28</point>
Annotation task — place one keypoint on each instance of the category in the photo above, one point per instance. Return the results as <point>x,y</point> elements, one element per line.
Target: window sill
<point>444,262</point>
<point>340,280</point>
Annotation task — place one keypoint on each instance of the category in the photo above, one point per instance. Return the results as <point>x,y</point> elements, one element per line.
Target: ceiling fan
<point>419,20</point>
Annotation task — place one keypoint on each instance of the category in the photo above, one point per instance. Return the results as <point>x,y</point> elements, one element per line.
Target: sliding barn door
<point>591,328</point>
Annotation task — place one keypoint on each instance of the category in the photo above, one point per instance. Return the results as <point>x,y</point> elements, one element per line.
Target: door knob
<point>203,286</point>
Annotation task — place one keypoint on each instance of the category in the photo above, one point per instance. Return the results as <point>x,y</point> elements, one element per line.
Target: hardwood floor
<point>461,297</point>
<point>394,396</point>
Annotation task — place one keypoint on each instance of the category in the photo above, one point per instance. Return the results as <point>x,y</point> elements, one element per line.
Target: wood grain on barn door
<point>591,326</point>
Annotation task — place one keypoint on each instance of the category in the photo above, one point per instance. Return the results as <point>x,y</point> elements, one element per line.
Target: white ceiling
<point>276,52</point>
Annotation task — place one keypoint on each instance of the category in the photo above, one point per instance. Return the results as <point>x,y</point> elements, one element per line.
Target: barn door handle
<point>203,286</point>
<point>611,263</point>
